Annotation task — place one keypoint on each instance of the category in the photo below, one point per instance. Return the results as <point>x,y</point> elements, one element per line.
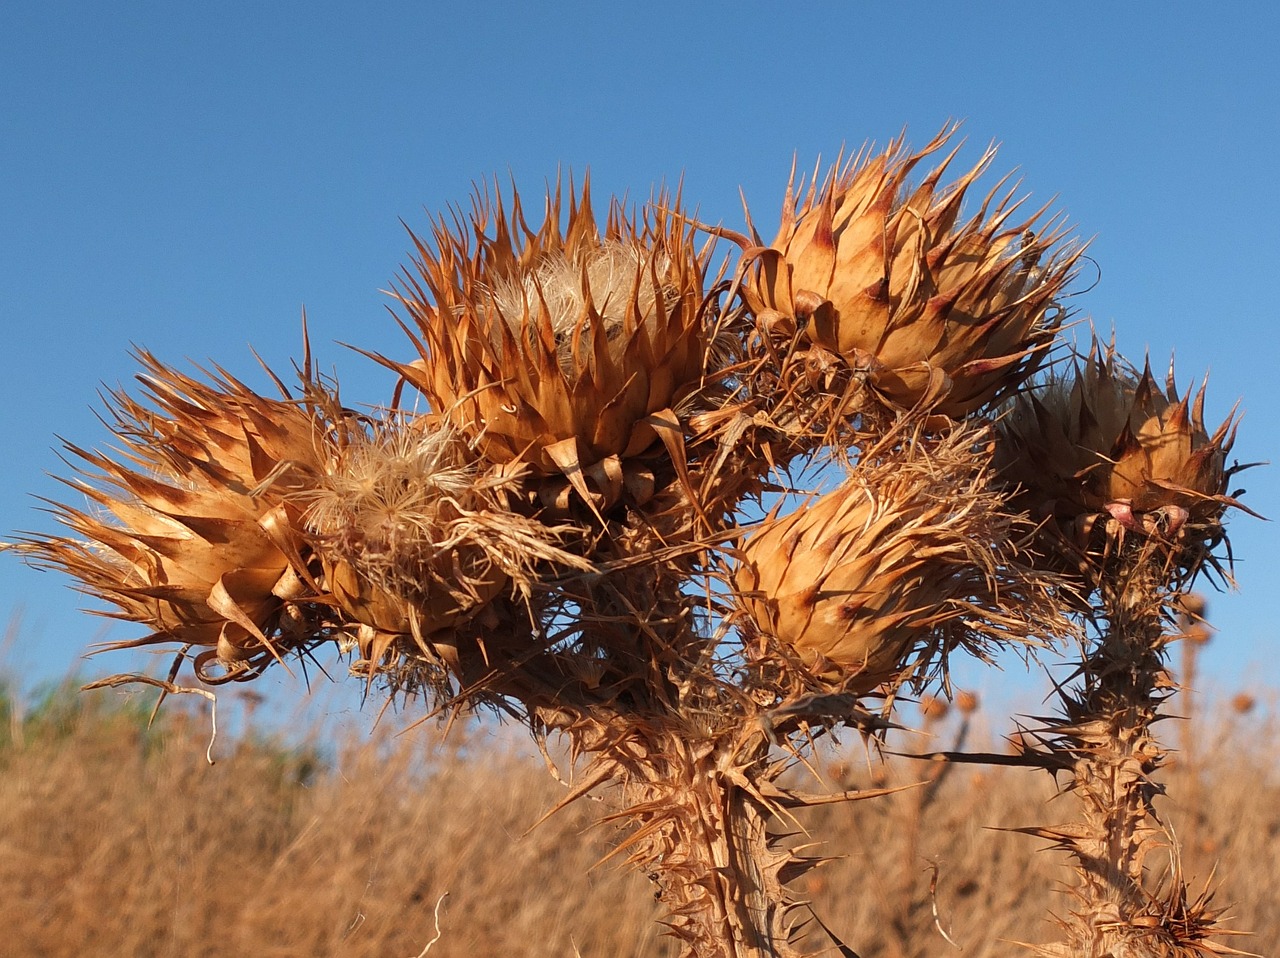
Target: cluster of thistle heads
<point>582,486</point>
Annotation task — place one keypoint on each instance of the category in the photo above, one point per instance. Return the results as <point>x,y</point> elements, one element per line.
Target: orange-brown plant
<point>571,531</point>
<point>1132,489</point>
<point>887,280</point>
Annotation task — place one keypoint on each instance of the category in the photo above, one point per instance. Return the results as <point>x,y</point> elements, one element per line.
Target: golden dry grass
<point>115,840</point>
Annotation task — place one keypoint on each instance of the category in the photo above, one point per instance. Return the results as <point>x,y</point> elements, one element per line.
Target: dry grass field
<point>119,840</point>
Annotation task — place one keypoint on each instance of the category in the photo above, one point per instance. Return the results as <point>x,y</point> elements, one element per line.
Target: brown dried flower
<point>195,537</point>
<point>1105,453</point>
<point>953,315</point>
<point>913,556</point>
<point>565,351</point>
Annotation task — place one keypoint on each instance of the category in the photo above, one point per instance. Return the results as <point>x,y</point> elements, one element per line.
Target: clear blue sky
<point>190,176</point>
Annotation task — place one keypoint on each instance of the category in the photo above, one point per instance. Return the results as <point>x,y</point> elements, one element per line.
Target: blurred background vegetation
<point>118,838</point>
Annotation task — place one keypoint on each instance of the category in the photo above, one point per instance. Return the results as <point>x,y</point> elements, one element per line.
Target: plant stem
<point>696,825</point>
<point>702,836</point>
<point>1107,729</point>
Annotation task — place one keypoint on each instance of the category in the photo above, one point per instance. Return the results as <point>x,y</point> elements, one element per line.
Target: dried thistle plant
<point>571,533</point>
<point>882,293</point>
<point>1133,490</point>
<point>192,532</point>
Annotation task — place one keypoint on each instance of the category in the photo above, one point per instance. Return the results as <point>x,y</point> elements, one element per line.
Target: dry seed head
<point>1105,453</point>
<point>386,489</point>
<point>967,702</point>
<point>383,516</point>
<point>553,348</point>
<point>412,534</point>
<point>193,535</point>
<point>951,314</point>
<point>913,556</point>
<point>1243,703</point>
<point>597,287</point>
<point>933,708</point>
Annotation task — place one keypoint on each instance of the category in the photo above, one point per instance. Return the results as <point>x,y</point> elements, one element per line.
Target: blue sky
<point>189,177</point>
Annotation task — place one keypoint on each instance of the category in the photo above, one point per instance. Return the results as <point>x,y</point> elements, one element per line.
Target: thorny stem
<point>703,838</point>
<point>1107,729</point>
<point>694,820</point>
<point>1187,744</point>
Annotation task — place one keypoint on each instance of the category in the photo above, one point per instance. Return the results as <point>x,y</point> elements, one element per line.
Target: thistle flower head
<point>599,280</point>
<point>934,311</point>
<point>913,556</point>
<point>414,537</point>
<point>384,516</point>
<point>1105,454</point>
<point>553,349</point>
<point>193,535</point>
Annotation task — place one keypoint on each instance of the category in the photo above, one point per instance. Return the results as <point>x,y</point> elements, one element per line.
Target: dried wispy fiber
<point>567,349</point>
<point>1103,454</point>
<point>885,280</point>
<point>914,555</point>
<point>192,533</point>
<point>414,538</point>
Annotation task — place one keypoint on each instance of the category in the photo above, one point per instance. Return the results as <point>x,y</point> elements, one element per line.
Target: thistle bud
<point>195,536</point>
<point>875,581</point>
<point>937,311</point>
<point>1106,454</point>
